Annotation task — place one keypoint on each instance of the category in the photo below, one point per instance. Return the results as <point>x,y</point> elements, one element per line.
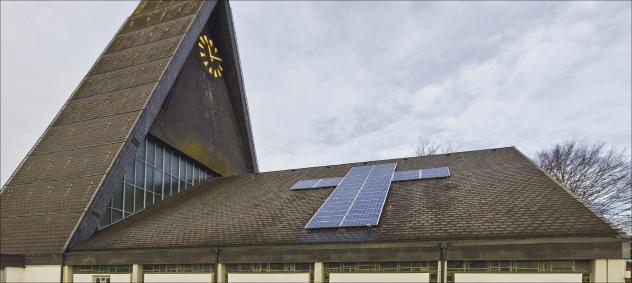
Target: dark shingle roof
<point>494,193</point>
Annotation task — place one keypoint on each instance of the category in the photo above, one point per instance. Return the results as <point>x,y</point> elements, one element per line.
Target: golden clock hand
<point>216,58</point>
<point>210,52</point>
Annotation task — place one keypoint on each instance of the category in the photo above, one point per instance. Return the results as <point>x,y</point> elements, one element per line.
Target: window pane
<point>129,198</point>
<point>182,170</point>
<point>157,181</point>
<point>116,215</point>
<point>140,152</point>
<point>150,178</point>
<point>159,155</point>
<point>129,173</point>
<point>166,185</point>
<point>196,174</point>
<point>140,174</point>
<point>139,200</point>
<point>562,265</point>
<point>183,186</point>
<point>167,166</point>
<point>189,173</point>
<point>151,152</point>
<point>174,166</point>
<point>174,185</point>
<point>117,201</point>
<point>149,199</point>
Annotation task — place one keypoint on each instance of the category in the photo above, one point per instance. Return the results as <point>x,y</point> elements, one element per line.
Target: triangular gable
<point>55,197</point>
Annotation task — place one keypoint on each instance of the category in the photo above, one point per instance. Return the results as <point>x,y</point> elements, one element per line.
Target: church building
<point>149,173</point>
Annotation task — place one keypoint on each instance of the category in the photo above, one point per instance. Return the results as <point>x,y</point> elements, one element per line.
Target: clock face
<point>210,56</point>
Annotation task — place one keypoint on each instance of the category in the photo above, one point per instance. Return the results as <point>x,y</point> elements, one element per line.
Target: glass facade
<point>157,172</point>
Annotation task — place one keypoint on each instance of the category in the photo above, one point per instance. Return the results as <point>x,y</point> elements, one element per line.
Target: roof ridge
<point>389,159</point>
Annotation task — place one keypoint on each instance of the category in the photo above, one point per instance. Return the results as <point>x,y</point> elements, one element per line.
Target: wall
<point>268,277</point>
<point>199,120</point>
<point>178,277</point>
<point>608,270</point>
<point>518,277</point>
<point>379,277</point>
<point>42,273</point>
<point>117,277</point>
<point>13,274</point>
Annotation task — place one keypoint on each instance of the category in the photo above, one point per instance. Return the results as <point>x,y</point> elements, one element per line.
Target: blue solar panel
<point>407,175</point>
<point>334,209</point>
<point>316,183</point>
<point>357,200</point>
<point>435,173</point>
<point>304,184</point>
<point>367,206</point>
<point>328,182</point>
<point>419,174</point>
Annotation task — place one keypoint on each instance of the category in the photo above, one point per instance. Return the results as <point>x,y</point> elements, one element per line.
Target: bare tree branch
<point>599,176</point>
<point>426,147</point>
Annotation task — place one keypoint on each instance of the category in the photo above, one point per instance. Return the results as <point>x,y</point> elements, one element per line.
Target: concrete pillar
<point>137,273</point>
<point>444,270</point>
<point>439,271</point>
<point>66,274</point>
<point>221,273</point>
<point>608,270</point>
<point>319,272</point>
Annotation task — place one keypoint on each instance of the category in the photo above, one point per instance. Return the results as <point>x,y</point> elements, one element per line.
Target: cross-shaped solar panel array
<point>359,196</point>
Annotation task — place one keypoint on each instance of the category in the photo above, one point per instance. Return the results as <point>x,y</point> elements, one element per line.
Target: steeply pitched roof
<point>495,193</point>
<point>56,195</point>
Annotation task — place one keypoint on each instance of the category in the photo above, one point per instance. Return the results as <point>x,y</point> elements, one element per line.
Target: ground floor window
<point>178,268</point>
<point>520,266</point>
<point>270,268</point>
<point>383,267</point>
<point>102,269</point>
<point>102,273</point>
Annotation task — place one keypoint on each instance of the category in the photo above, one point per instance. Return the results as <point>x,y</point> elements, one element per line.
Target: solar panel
<point>420,174</point>
<point>304,184</point>
<point>357,200</point>
<point>406,175</point>
<point>435,173</point>
<point>367,207</point>
<point>329,182</point>
<point>316,183</point>
<point>333,210</point>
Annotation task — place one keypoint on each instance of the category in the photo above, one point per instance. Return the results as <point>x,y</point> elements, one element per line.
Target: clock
<point>210,56</point>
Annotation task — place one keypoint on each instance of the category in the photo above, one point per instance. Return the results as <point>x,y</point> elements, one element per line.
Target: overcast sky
<point>332,82</point>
